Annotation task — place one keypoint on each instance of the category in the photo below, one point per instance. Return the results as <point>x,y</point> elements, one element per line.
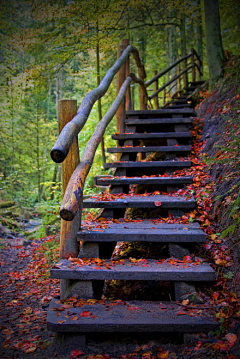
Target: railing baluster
<point>155,89</point>
<point>193,66</point>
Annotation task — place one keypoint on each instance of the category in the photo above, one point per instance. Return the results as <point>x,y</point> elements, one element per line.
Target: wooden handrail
<point>173,79</point>
<point>71,130</point>
<point>170,67</point>
<point>73,194</point>
<point>153,79</point>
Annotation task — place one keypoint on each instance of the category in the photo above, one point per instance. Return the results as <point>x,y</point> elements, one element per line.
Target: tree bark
<point>215,53</point>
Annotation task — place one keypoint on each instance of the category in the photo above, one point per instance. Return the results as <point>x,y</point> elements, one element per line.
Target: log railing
<point>74,173</point>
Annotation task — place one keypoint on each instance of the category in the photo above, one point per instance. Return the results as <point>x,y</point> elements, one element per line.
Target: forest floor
<point>26,289</point>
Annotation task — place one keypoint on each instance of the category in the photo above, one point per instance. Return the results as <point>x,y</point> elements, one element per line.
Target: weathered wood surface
<point>152,270</point>
<point>164,112</point>
<point>73,194</point>
<point>166,202</point>
<point>127,136</point>
<point>149,149</point>
<point>149,121</point>
<point>71,130</point>
<point>105,181</point>
<point>68,233</point>
<point>122,317</point>
<point>159,164</point>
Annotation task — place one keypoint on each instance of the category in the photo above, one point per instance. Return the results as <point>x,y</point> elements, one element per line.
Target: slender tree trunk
<point>215,53</point>
<point>99,100</point>
<point>38,154</point>
<point>199,32</point>
<point>183,35</point>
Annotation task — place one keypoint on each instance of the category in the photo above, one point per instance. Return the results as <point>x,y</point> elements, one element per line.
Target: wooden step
<point>140,201</point>
<point>144,270</point>
<point>155,164</point>
<point>151,120</point>
<point>142,231</point>
<point>162,112</point>
<point>149,149</point>
<point>131,316</point>
<point>144,136</point>
<point>174,105</point>
<point>105,181</point>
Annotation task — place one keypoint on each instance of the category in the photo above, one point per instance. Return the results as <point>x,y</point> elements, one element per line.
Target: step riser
<point>144,237</point>
<point>171,149</point>
<point>142,181</point>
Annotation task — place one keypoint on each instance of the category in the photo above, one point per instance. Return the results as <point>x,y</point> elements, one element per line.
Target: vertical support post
<point>125,43</point>
<point>178,80</point>
<point>185,75</point>
<point>193,66</point>
<point>67,109</point>
<point>155,89</point>
<point>198,71</point>
<point>164,96</point>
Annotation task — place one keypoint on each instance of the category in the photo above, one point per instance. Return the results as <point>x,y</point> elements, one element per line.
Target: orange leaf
<point>164,355</point>
<point>85,314</point>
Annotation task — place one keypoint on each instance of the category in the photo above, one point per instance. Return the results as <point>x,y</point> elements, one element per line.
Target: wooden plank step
<point>131,316</point>
<point>175,105</point>
<point>132,136</point>
<point>150,269</point>
<point>105,181</point>
<point>163,112</point>
<point>139,164</point>
<point>149,149</point>
<point>140,201</point>
<point>143,231</point>
<point>149,121</point>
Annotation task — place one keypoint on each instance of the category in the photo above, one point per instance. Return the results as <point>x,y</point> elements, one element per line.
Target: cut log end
<point>66,214</point>
<point>58,156</point>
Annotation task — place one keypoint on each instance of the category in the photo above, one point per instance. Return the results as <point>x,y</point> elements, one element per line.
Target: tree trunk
<point>215,53</point>
<point>183,35</point>
<point>199,31</point>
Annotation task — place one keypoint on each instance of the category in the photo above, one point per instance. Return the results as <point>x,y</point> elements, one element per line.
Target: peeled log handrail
<point>73,194</point>
<point>71,130</point>
<point>173,79</point>
<point>170,67</point>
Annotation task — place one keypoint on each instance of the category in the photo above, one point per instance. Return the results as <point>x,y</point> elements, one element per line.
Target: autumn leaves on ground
<point>26,289</point>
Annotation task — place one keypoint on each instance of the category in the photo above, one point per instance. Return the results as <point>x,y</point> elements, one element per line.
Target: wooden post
<point>198,71</point>
<point>178,80</point>
<point>193,64</point>
<point>164,95</point>
<point>125,43</point>
<point>185,75</point>
<point>67,109</point>
<point>155,89</point>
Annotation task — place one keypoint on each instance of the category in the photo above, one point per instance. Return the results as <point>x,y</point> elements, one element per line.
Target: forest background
<point>52,50</point>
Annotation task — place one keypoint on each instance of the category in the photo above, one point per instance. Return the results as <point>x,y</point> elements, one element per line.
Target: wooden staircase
<point>167,133</point>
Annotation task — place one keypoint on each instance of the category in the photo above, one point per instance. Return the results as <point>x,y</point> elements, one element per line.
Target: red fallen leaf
<point>30,349</point>
<point>74,318</point>
<point>61,321</point>
<point>85,314</point>
<point>231,338</point>
<point>94,316</point>
<point>76,353</point>
<point>158,203</point>
<point>164,355</point>
<point>132,308</point>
